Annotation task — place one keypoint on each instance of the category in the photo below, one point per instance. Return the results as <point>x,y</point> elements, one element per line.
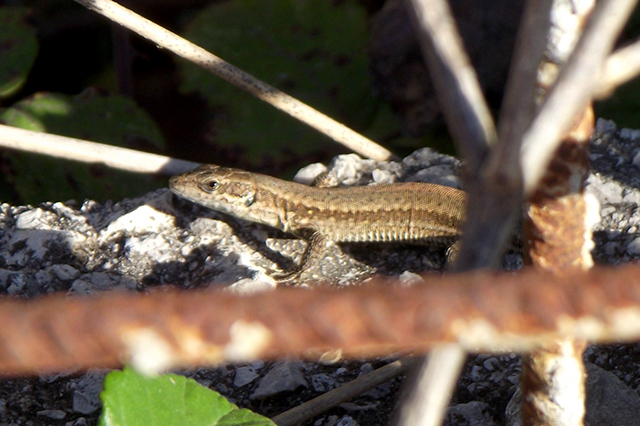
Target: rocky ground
<point>159,239</point>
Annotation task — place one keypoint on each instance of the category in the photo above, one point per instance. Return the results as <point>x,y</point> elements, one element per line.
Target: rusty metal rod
<point>484,312</point>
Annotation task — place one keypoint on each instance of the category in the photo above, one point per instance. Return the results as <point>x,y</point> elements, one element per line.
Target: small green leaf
<point>244,417</point>
<point>130,399</point>
<point>18,49</point>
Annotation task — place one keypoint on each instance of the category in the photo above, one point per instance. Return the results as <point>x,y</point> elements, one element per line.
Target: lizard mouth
<point>176,185</point>
<point>180,185</point>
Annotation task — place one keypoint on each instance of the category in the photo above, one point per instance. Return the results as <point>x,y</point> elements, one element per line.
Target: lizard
<point>406,212</point>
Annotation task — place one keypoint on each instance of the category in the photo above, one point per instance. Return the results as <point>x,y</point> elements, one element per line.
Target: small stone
<point>427,157</point>
<point>607,192</point>
<point>629,133</point>
<point>307,175</point>
<point>86,391</point>
<point>365,368</point>
<point>491,363</point>
<point>248,286</point>
<point>383,176</point>
<point>605,126</point>
<point>52,414</point>
<point>408,279</point>
<point>607,210</point>
<point>349,168</point>
<point>611,248</point>
<point>144,220</point>
<point>100,281</point>
<point>244,376</point>
<point>352,406</point>
<point>32,219</point>
<point>258,364</point>
<point>64,272</point>
<point>633,248</point>
<point>322,382</point>
<point>285,376</point>
<point>346,421</point>
<point>472,413</point>
<point>476,373</point>
<point>17,283</point>
<point>609,401</point>
<point>329,421</point>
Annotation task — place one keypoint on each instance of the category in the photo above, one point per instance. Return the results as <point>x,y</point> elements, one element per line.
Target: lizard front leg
<point>316,248</point>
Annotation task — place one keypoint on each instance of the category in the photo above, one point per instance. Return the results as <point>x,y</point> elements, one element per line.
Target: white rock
<point>144,219</point>
<point>306,175</point>
<point>606,192</point>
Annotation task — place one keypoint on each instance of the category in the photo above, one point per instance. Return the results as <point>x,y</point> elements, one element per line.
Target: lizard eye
<point>210,186</point>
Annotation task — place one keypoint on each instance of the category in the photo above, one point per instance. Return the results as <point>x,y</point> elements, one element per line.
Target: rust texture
<point>483,312</point>
<point>558,233</point>
<point>553,376</point>
<point>555,233</point>
<point>558,239</point>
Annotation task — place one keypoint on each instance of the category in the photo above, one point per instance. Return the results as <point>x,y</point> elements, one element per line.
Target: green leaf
<point>18,49</point>
<point>90,115</point>
<point>109,119</point>
<point>313,50</point>
<point>130,399</point>
<point>244,417</point>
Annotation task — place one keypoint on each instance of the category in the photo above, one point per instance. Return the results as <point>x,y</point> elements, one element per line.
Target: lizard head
<point>223,189</point>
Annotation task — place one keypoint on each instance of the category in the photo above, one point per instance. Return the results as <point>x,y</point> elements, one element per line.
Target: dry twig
<point>623,65</point>
<point>312,408</point>
<point>573,89</point>
<point>199,56</point>
<point>91,152</point>
<point>436,381</point>
<point>455,81</point>
<point>495,187</point>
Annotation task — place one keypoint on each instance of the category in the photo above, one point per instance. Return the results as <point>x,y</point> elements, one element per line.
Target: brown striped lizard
<point>408,212</point>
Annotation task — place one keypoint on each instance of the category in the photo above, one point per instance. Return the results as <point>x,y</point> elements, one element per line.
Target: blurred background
<point>69,71</point>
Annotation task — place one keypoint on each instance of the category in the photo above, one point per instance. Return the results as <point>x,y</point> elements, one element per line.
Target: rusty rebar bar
<point>482,312</point>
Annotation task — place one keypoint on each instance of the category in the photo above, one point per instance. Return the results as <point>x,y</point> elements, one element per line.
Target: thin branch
<point>495,192</point>
<point>573,89</point>
<point>324,402</point>
<point>436,381</point>
<point>91,152</point>
<point>622,66</point>
<point>519,103</point>
<point>237,77</point>
<point>455,81</point>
